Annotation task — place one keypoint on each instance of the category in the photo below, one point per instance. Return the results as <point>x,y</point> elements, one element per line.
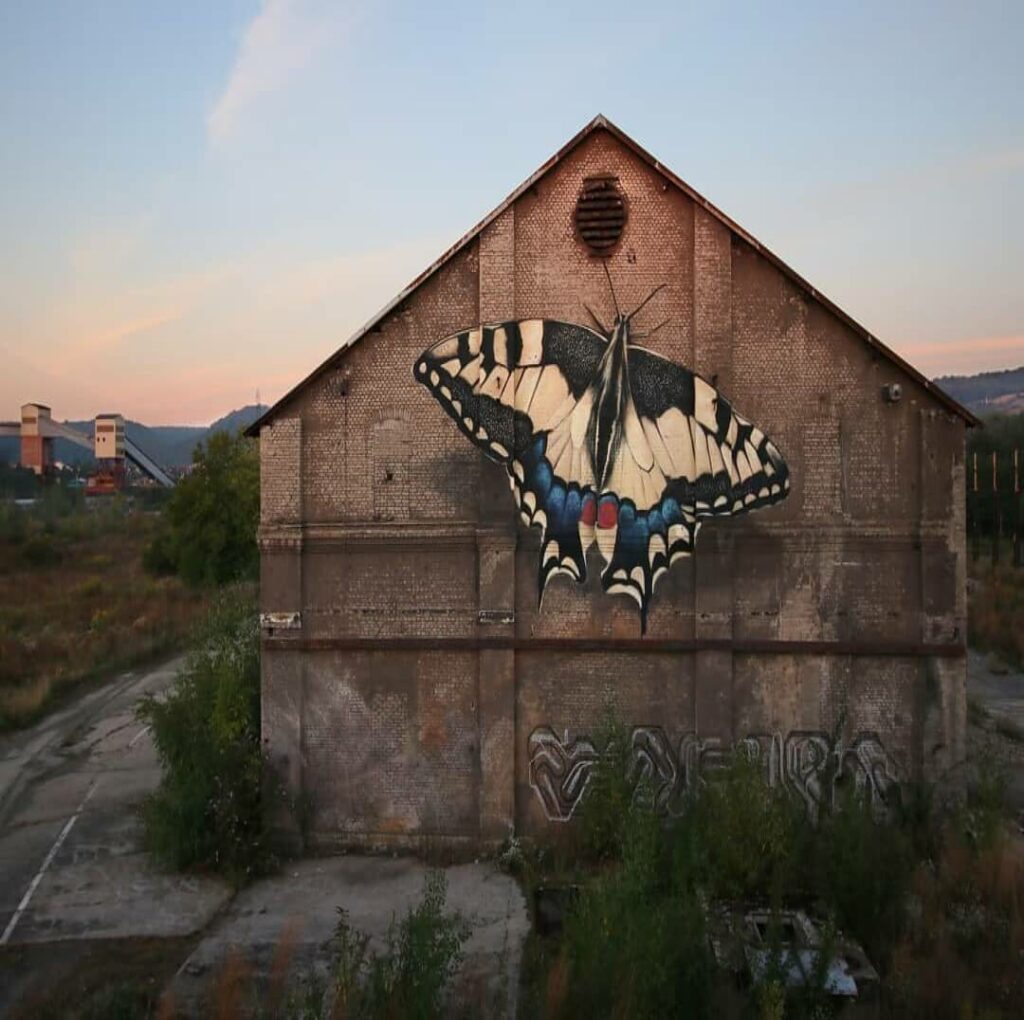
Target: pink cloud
<point>277,44</point>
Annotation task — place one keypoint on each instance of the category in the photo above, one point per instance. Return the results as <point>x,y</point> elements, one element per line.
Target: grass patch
<point>98,978</point>
<point>995,611</point>
<point>75,602</point>
<point>409,978</point>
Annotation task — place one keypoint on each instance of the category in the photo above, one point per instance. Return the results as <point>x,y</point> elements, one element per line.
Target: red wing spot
<point>607,514</point>
<point>588,515</point>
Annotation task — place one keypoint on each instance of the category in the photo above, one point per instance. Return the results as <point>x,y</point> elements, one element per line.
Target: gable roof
<point>601,123</point>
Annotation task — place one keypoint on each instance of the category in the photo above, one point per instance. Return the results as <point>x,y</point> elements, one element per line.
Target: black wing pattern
<point>525,393</point>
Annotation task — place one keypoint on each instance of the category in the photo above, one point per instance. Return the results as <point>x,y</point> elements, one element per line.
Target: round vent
<point>600,214</point>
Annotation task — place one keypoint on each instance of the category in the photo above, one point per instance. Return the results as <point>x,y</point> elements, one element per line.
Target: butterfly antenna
<point>646,299</point>
<point>600,325</point>
<point>651,332</point>
<point>611,286</point>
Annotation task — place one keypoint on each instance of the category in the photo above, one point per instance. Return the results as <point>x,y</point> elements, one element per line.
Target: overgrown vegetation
<point>209,528</point>
<point>995,610</point>
<point>635,944</point>
<point>74,600</point>
<point>605,814</point>
<point>935,896</point>
<point>408,978</point>
<point>207,811</point>
<point>1002,434</point>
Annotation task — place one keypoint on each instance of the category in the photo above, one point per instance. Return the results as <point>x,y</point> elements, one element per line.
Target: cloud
<point>278,43</point>
<point>101,314</point>
<point>105,341</point>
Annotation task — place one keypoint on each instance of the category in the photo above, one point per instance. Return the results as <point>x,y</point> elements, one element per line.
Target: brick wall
<point>425,693</point>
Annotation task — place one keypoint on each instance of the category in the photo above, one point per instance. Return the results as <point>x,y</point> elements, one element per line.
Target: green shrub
<point>13,523</point>
<point>862,867</point>
<point>408,979</point>
<point>209,533</point>
<point>981,818</point>
<point>935,897</point>
<point>605,811</point>
<point>41,551</point>
<point>18,482</point>
<point>58,501</point>
<point>739,838</point>
<point>634,945</point>
<point>207,811</point>
<point>159,556</point>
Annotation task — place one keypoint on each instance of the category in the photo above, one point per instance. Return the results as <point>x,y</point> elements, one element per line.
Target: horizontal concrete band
<point>632,645</point>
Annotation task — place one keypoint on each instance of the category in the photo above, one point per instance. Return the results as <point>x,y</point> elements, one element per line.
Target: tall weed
<point>860,869</point>
<point>407,980</point>
<point>605,812</point>
<point>738,837</point>
<point>635,944</point>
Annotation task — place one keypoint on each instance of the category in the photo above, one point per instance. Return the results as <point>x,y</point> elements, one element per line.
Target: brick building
<point>415,686</point>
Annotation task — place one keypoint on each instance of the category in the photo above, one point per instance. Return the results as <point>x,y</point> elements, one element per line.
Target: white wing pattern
<point>535,396</point>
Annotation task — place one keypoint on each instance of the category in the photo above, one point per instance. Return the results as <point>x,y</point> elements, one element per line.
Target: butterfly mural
<point>604,442</point>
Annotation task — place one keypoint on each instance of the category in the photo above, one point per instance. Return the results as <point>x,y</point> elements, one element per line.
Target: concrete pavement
<point>71,862</point>
<point>299,908</point>
<point>73,872</point>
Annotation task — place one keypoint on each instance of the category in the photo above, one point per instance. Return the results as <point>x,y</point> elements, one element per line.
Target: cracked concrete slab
<point>73,871</point>
<point>115,896</point>
<point>71,858</point>
<point>301,905</point>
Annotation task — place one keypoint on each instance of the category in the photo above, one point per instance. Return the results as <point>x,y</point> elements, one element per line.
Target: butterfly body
<point>604,442</point>
<point>604,429</point>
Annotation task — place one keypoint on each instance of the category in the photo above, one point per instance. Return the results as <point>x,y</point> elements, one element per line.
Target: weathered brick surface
<point>389,744</point>
<point>280,472</point>
<point>380,523</point>
<point>570,693</point>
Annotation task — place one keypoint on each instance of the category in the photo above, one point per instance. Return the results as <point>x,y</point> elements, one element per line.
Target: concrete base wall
<point>424,748</point>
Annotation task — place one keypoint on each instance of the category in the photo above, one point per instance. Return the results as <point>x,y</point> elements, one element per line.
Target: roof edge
<point>600,122</point>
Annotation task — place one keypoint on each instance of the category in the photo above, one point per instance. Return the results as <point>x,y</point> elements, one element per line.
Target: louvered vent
<point>600,214</point>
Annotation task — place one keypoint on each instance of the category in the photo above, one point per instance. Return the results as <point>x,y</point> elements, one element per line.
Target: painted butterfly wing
<point>517,389</point>
<point>685,454</point>
<point>524,392</point>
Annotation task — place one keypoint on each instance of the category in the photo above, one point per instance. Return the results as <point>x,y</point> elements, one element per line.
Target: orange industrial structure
<point>109,444</point>
<point>36,440</point>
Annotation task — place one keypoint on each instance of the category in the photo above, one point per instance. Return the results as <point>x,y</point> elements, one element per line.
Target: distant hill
<point>235,421</point>
<point>987,392</point>
<point>170,446</point>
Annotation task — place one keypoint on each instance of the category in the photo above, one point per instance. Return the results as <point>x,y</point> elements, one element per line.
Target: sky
<point>200,200</point>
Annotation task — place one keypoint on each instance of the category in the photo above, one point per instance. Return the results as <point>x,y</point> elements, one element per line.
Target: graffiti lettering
<point>807,763</point>
<point>560,772</point>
